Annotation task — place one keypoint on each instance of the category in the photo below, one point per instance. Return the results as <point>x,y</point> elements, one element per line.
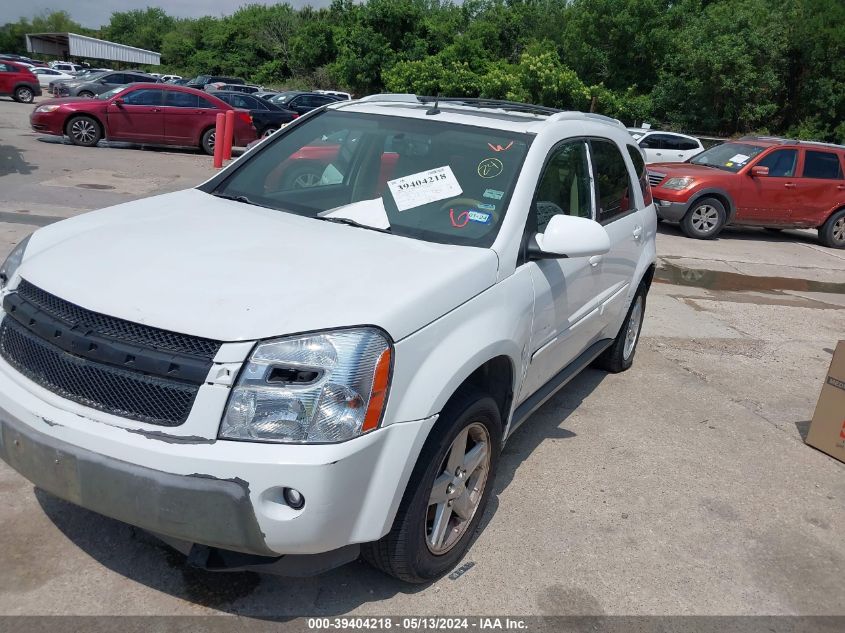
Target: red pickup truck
<point>756,181</point>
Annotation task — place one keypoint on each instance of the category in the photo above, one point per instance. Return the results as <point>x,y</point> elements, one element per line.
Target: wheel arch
<point>719,194</point>
<point>827,216</point>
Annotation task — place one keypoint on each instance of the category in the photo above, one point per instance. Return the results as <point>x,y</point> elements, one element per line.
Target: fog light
<point>294,498</point>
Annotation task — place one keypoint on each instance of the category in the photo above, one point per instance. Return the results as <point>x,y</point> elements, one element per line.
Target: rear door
<point>619,213</point>
<point>137,115</point>
<point>769,200</point>
<point>186,116</point>
<point>821,187</point>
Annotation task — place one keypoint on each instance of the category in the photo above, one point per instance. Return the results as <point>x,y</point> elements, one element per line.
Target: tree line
<point>720,67</point>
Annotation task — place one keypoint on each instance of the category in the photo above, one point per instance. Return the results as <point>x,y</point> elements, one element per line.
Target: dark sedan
<point>98,83</point>
<point>302,102</point>
<point>266,117</point>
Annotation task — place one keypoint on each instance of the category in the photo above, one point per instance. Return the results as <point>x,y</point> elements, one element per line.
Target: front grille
<point>117,391</point>
<point>115,328</point>
<point>123,368</point>
<point>655,178</point>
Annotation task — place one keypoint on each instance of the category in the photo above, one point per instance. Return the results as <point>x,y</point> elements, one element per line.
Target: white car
<point>167,78</point>
<point>335,93</point>
<point>46,75</point>
<point>66,67</point>
<point>276,374</point>
<point>666,147</point>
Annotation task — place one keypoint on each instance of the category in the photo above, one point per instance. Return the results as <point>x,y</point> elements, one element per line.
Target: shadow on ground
<point>161,149</point>
<point>748,233</point>
<point>12,161</point>
<point>146,560</point>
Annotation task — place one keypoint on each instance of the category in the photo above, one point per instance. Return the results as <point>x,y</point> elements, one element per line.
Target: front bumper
<point>216,493</point>
<point>669,210</point>
<point>45,123</point>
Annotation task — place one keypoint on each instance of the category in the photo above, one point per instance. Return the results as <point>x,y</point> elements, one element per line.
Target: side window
<point>564,187</point>
<point>143,98</point>
<point>781,163</point>
<point>115,78</point>
<point>205,103</point>
<point>5,69</point>
<point>686,144</point>
<point>240,102</point>
<point>181,99</point>
<point>822,165</point>
<point>642,173</point>
<point>612,180</point>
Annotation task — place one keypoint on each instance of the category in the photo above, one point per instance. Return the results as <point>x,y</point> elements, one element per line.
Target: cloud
<point>96,13</point>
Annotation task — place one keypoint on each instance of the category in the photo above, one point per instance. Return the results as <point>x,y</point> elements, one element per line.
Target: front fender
<point>431,363</point>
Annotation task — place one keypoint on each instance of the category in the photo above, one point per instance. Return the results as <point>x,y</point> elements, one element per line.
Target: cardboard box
<point>827,430</point>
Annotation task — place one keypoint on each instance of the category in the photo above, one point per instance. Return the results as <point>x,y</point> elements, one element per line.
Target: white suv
<point>321,350</point>
<point>666,147</point>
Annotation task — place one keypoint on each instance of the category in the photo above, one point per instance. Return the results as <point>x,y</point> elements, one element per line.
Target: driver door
<point>566,317</point>
<point>137,116</point>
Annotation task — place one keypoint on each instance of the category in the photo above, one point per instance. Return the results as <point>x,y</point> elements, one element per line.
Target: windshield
<point>426,179</point>
<point>728,156</point>
<point>110,93</point>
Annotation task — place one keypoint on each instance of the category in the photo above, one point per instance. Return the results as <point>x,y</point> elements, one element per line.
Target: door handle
<point>789,185</point>
<point>156,109</point>
<point>594,260</point>
<point>840,187</point>
<point>638,232</point>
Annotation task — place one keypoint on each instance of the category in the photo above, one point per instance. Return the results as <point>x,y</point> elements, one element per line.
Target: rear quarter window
<point>642,173</point>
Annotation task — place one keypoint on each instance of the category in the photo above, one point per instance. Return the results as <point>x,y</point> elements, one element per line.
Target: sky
<point>95,13</point>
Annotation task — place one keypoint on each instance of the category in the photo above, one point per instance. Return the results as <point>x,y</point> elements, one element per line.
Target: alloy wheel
<point>839,231</point>
<point>705,218</point>
<point>458,490</point>
<point>268,132</point>
<point>25,95</point>
<point>83,130</point>
<point>633,331</point>
<point>308,179</point>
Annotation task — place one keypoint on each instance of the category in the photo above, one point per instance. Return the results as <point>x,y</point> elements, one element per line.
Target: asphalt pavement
<point>682,486</point>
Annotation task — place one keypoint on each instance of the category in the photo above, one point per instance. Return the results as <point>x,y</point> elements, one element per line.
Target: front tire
<point>620,356</point>
<point>24,94</point>
<point>705,219</point>
<point>832,232</point>
<point>84,131</point>
<point>446,494</point>
<point>86,94</point>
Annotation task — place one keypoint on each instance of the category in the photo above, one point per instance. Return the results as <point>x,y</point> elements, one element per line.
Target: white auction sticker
<point>424,187</point>
<point>739,158</point>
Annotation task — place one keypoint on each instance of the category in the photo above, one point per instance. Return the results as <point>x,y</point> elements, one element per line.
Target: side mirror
<point>118,102</point>
<point>759,171</point>
<point>570,236</point>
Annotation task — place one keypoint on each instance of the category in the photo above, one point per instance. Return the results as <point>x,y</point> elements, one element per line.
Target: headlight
<point>678,183</point>
<point>314,388</point>
<point>47,108</point>
<point>10,266</point>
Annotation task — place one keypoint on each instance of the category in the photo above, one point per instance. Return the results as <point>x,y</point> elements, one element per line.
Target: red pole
<point>218,140</point>
<point>229,134</point>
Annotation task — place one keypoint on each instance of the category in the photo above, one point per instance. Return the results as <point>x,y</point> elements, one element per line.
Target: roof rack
<point>494,104</point>
<point>790,141</point>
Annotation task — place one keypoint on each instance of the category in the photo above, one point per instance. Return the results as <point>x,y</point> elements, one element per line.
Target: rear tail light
<point>296,116</point>
<point>246,117</point>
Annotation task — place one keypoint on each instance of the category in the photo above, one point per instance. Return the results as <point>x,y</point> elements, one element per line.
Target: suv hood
<point>687,169</point>
<point>193,263</point>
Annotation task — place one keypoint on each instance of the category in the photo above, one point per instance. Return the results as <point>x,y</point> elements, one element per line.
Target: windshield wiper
<point>236,198</point>
<point>350,222</point>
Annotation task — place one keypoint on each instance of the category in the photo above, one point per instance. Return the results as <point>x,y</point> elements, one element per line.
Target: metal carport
<point>64,45</point>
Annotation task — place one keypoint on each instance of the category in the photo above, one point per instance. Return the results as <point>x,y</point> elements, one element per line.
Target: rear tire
<point>24,94</point>
<point>832,232</point>
<point>84,131</point>
<point>414,550</point>
<point>705,219</point>
<point>207,141</point>
<point>620,356</point>
<point>86,94</point>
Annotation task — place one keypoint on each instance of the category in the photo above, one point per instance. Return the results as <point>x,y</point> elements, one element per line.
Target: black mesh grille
<point>118,328</point>
<point>125,393</point>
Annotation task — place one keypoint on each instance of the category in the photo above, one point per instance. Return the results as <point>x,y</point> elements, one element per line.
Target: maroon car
<point>153,114</point>
<point>18,81</point>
